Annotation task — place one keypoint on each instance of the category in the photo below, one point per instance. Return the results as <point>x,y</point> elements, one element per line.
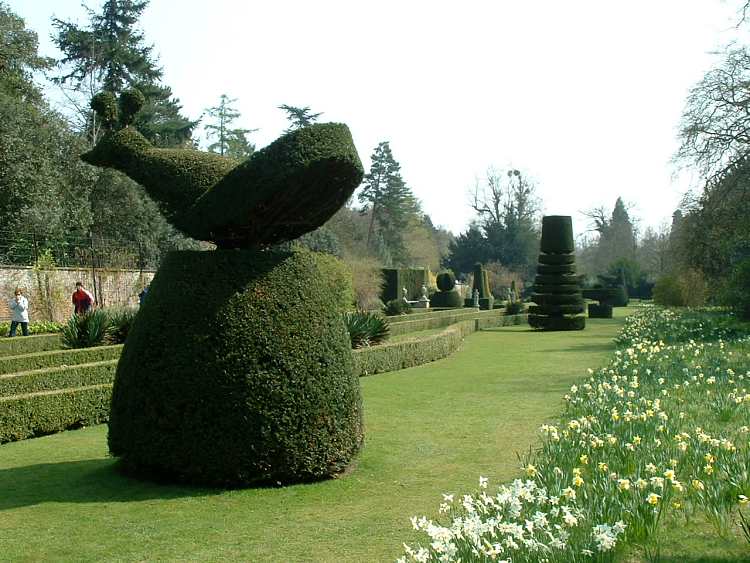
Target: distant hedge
<point>441,320</point>
<point>47,412</point>
<point>409,353</point>
<point>396,279</point>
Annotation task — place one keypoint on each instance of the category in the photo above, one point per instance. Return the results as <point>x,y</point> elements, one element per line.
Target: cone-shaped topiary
<point>281,192</point>
<point>231,389</point>
<point>482,284</point>
<point>557,291</point>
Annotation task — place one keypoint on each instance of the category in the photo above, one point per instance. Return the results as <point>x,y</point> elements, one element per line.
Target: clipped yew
<point>238,368</point>
<point>446,296</point>
<point>557,291</point>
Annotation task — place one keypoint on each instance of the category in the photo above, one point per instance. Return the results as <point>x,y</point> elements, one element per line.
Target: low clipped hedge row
<point>432,314</point>
<point>56,379</point>
<point>47,412</point>
<point>441,320</point>
<point>29,344</point>
<point>409,353</point>
<point>58,358</point>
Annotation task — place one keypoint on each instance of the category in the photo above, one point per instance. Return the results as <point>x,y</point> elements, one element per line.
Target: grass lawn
<point>429,429</point>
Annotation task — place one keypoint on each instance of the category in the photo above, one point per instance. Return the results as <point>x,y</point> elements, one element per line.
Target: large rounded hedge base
<point>237,371</point>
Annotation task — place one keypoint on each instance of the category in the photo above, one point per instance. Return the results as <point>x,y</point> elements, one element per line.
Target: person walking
<point>82,300</point>
<point>19,306</point>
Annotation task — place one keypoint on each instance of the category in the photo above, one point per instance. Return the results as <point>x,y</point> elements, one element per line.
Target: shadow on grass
<point>85,481</point>
<point>709,559</point>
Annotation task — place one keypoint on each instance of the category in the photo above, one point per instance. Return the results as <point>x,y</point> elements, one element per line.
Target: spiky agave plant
<point>365,328</point>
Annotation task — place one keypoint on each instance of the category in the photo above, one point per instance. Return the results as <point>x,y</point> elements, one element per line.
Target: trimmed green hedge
<point>29,344</point>
<point>395,279</point>
<point>55,379</point>
<point>447,299</point>
<point>47,412</point>
<point>409,353</point>
<point>431,314</point>
<point>257,385</point>
<point>441,320</point>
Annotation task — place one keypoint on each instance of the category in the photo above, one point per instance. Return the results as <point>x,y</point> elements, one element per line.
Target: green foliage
<point>25,416</point>
<point>446,281</point>
<point>322,240</point>
<point>557,292</point>
<point>446,299</point>
<point>231,142</point>
<point>668,291</point>
<point>481,282</point>
<point>390,202</point>
<point>83,331</point>
<point>59,377</point>
<point>365,328</point>
<point>299,117</point>
<point>29,344</point>
<point>399,355</point>
<point>119,321</point>
<point>686,288</point>
<point>600,311</point>
<point>56,358</point>
<point>737,292</point>
<point>439,319</point>
<point>258,384</point>
<point>396,279</point>
<point>19,47</point>
<point>35,327</point>
<point>397,307</point>
<point>515,308</point>
<point>557,235</point>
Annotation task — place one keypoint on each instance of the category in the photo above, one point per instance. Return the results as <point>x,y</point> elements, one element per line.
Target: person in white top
<point>19,306</point>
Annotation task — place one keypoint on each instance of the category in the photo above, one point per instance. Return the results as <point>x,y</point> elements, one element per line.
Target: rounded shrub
<point>546,269</point>
<point>397,307</point>
<point>248,378</point>
<point>565,322</point>
<point>446,281</point>
<point>446,299</point>
<point>600,311</point>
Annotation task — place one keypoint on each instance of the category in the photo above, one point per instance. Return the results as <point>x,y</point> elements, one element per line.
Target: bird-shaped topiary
<point>238,368</point>
<point>281,192</point>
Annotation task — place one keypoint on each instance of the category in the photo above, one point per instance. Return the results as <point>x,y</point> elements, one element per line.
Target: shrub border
<point>58,358</point>
<point>57,379</point>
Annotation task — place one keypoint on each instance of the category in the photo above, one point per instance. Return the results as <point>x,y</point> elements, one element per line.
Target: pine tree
<point>392,204</point>
<point>299,117</point>
<point>111,54</point>
<point>229,141</point>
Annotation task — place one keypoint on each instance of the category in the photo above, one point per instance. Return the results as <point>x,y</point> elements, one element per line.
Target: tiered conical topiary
<point>220,382</point>
<point>557,292</point>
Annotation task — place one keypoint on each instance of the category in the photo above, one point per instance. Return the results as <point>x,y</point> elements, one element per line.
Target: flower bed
<point>663,429</point>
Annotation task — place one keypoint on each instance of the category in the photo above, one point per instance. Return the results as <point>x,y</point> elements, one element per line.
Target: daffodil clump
<point>664,428</point>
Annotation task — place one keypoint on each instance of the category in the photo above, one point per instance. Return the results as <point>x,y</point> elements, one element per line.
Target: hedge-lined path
<point>430,429</point>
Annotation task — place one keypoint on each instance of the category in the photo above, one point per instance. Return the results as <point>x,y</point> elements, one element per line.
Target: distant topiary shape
<point>447,296</point>
<point>281,192</point>
<point>557,292</point>
<point>481,283</point>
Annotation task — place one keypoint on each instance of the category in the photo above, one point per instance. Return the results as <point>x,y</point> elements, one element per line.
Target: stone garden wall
<point>49,291</point>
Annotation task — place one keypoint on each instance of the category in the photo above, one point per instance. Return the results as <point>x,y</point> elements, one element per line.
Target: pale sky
<point>584,96</point>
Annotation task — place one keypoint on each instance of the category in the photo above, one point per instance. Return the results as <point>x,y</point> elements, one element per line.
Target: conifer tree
<point>229,141</point>
<point>299,117</point>
<point>391,202</point>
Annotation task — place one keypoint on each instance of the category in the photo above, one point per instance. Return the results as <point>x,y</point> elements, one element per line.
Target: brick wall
<point>49,291</point>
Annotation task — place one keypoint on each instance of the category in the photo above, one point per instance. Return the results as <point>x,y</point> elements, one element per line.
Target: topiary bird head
<point>281,192</point>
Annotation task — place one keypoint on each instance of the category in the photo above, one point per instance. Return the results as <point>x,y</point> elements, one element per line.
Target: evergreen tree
<point>617,238</point>
<point>390,201</point>
<point>299,117</point>
<point>111,54</point>
<point>229,141</point>
<point>43,186</point>
<point>468,249</point>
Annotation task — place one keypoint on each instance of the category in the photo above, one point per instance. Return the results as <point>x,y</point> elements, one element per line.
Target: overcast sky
<point>584,96</point>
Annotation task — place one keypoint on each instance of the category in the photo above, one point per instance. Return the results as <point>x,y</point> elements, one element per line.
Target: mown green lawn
<point>430,429</point>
